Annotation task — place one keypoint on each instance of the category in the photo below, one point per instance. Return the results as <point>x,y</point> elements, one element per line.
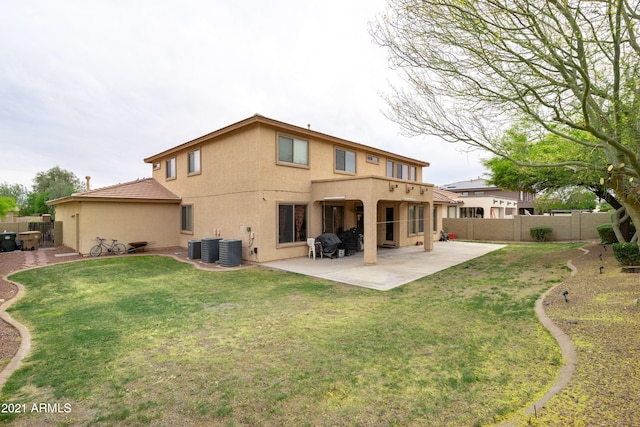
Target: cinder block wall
<point>577,226</point>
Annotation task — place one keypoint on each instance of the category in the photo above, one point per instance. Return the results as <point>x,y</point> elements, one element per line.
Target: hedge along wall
<point>577,226</point>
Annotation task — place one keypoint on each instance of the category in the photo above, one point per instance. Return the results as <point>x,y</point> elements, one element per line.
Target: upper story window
<point>373,159</point>
<point>171,168</point>
<point>194,161</point>
<point>293,150</point>
<point>156,166</point>
<point>401,171</point>
<point>345,160</point>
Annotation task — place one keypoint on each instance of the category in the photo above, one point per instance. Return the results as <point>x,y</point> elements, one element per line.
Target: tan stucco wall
<point>577,226</point>
<point>125,222</point>
<point>241,184</point>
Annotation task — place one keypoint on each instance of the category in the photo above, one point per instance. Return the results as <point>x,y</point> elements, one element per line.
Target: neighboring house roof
<point>259,119</point>
<point>142,190</point>
<point>446,197</point>
<point>472,184</point>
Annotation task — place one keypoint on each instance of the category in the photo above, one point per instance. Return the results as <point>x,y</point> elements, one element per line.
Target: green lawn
<point>151,340</point>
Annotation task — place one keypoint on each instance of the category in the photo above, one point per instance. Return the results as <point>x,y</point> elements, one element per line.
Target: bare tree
<point>474,68</point>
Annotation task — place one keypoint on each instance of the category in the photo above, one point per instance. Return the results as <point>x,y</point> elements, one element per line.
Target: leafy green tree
<point>57,182</point>
<point>474,68</point>
<point>17,191</point>
<point>36,204</point>
<point>51,184</point>
<point>6,205</point>
<point>555,180</point>
<point>565,199</point>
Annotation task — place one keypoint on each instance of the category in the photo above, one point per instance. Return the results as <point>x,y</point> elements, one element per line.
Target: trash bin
<point>30,240</point>
<point>7,241</point>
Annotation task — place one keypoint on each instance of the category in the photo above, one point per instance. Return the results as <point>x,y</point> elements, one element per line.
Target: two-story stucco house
<point>271,185</point>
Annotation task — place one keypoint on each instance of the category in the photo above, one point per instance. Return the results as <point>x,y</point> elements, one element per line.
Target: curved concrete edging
<point>25,336</point>
<point>564,341</point>
<point>566,348</point>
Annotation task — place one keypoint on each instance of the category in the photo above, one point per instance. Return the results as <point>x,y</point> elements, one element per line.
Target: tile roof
<point>472,184</point>
<point>445,197</point>
<point>141,190</point>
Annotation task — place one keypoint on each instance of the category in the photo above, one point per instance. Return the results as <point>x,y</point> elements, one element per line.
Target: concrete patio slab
<point>395,267</point>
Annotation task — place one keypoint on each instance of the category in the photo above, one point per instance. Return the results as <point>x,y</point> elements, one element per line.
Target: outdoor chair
<point>314,248</point>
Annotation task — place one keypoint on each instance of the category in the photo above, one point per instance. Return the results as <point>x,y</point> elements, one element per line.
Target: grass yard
<point>152,341</point>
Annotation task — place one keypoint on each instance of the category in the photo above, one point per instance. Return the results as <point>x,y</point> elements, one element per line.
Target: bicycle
<point>114,248</point>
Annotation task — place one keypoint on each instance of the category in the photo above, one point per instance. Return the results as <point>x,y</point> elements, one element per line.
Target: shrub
<point>626,253</point>
<point>605,231</point>
<point>540,234</point>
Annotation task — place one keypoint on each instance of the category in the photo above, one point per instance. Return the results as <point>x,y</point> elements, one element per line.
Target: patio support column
<point>428,227</point>
<point>370,208</point>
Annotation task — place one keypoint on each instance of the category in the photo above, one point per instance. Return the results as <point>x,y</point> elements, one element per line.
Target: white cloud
<point>95,87</point>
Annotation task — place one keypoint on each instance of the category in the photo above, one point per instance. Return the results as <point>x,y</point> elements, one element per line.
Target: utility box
<point>30,240</point>
<point>7,241</point>
<point>195,249</point>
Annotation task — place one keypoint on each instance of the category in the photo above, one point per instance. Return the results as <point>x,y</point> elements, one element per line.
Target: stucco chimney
<point>88,178</point>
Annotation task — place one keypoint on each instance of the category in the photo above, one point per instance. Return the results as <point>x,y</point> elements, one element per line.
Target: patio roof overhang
<point>370,190</point>
<point>376,187</point>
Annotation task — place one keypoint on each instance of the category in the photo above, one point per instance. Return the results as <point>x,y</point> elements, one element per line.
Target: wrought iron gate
<point>46,230</point>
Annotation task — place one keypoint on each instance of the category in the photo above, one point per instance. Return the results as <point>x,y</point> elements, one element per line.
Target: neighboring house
<point>273,185</point>
<point>481,200</point>
<point>446,204</point>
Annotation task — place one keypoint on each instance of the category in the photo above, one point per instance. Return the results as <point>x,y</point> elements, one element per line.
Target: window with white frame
<point>373,159</point>
<point>293,150</point>
<point>171,168</point>
<point>292,223</point>
<point>345,160</point>
<point>194,161</point>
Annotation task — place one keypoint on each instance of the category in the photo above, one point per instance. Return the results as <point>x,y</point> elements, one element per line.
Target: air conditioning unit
<point>210,249</point>
<point>230,253</point>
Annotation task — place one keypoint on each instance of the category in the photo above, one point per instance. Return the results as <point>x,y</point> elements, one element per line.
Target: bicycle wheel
<point>118,249</point>
<point>96,250</point>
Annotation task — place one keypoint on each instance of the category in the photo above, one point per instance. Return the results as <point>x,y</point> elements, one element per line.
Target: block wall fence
<point>577,226</point>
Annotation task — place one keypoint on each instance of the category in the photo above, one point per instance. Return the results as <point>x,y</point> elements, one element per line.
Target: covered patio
<point>389,212</point>
<point>394,267</point>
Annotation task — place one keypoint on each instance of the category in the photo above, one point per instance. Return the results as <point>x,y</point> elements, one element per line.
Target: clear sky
<point>96,86</point>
